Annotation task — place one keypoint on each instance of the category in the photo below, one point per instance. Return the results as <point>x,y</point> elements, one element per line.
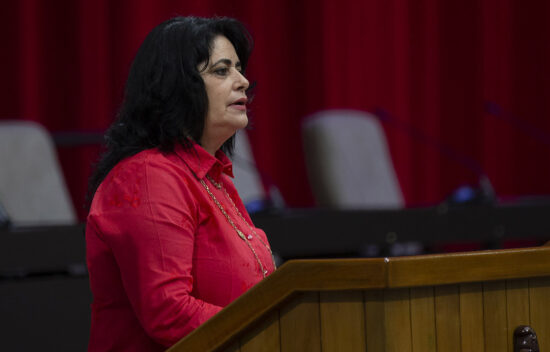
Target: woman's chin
<point>241,122</point>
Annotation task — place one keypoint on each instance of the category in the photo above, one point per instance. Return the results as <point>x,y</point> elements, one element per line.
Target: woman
<point>169,242</point>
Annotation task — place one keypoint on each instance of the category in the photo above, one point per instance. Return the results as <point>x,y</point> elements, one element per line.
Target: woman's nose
<point>241,83</point>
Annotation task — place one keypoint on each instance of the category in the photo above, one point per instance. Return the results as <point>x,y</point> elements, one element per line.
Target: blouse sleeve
<point>148,220</point>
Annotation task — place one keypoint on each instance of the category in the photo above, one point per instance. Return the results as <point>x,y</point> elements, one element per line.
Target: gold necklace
<point>219,186</point>
<point>239,232</point>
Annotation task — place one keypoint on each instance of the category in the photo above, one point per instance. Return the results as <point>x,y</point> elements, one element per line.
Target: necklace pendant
<point>241,235</point>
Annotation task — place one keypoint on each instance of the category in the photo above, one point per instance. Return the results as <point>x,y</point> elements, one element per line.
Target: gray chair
<point>32,187</point>
<point>350,167</point>
<point>348,161</point>
<point>247,179</point>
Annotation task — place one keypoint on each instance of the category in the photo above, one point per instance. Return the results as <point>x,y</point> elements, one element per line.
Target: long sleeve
<point>148,219</point>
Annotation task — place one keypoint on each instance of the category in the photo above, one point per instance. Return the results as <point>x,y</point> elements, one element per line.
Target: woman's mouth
<point>239,104</point>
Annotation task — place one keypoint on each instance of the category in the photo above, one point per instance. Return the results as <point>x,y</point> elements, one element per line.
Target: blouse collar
<point>201,162</point>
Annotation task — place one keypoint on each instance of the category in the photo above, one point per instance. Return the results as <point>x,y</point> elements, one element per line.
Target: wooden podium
<point>453,302</point>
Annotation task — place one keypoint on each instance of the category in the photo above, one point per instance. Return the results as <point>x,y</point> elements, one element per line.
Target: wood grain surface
<point>378,277</point>
<point>342,321</point>
<point>264,337</point>
<point>397,321</point>
<point>447,318</point>
<point>301,324</point>
<point>517,307</point>
<point>495,316</point>
<point>375,320</point>
<point>423,332</point>
<point>472,335</point>
<point>539,301</point>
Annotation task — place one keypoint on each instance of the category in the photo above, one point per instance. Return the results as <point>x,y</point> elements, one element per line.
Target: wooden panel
<point>342,321</point>
<point>517,306</point>
<point>234,347</point>
<point>539,299</point>
<point>264,337</point>
<point>471,317</point>
<point>300,324</point>
<point>364,274</point>
<point>291,278</point>
<point>374,320</point>
<point>423,319</point>
<point>397,320</point>
<point>495,321</point>
<point>440,269</point>
<point>447,318</point>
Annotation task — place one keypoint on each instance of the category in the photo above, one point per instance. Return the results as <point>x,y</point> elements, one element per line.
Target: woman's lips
<point>239,104</point>
<point>240,107</point>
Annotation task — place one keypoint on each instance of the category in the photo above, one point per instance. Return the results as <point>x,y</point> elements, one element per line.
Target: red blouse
<point>162,256</point>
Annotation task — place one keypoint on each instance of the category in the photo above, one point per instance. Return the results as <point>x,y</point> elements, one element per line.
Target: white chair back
<point>32,187</point>
<point>348,161</point>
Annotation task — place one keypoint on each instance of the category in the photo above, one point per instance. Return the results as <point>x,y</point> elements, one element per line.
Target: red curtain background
<point>431,64</point>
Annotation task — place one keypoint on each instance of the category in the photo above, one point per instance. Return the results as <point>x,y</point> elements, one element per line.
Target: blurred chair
<point>32,187</point>
<point>348,161</point>
<point>247,178</point>
<point>350,167</point>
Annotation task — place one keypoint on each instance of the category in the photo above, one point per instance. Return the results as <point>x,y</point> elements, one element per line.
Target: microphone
<point>483,194</point>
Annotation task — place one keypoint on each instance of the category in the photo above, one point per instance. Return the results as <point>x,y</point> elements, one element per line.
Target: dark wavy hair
<point>165,101</point>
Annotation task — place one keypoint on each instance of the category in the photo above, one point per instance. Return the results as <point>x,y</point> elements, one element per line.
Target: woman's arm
<point>150,228</point>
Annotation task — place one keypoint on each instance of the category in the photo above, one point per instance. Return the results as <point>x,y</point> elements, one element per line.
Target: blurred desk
<point>306,233</point>
<point>299,233</point>
<point>40,250</point>
<point>44,292</point>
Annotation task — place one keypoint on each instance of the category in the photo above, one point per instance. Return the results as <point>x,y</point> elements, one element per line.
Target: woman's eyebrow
<point>227,62</point>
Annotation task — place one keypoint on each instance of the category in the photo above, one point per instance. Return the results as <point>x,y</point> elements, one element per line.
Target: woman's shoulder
<point>152,156</point>
<point>141,176</point>
<point>149,163</point>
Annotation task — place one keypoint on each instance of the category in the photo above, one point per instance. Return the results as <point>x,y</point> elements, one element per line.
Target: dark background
<point>434,65</point>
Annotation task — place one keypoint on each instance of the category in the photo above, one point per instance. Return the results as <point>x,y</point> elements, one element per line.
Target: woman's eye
<point>221,71</point>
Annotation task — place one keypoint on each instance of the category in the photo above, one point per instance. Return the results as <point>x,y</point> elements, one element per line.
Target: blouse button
<point>249,237</point>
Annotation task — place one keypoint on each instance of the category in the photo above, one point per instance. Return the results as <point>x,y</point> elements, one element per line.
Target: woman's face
<point>225,87</point>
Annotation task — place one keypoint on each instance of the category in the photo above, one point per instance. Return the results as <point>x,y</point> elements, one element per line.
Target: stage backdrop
<point>473,75</point>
